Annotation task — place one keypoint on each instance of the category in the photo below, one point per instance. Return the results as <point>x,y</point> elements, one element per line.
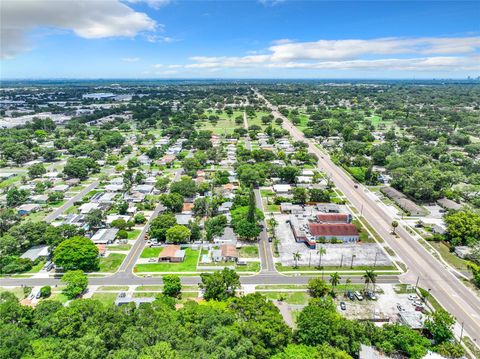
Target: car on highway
<point>355,186</point>
<point>343,306</point>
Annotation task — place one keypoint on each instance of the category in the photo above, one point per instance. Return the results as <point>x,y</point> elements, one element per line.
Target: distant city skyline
<point>163,39</point>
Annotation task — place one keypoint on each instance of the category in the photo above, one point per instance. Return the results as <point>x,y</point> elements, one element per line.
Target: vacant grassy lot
<point>456,262</point>
<point>288,297</point>
<point>111,262</point>
<point>248,251</point>
<point>188,265</point>
<point>133,234</point>
<point>151,252</point>
<point>106,298</point>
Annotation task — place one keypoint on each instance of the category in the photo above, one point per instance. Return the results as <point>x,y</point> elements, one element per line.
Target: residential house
<point>105,236</point>
<point>26,209</point>
<point>41,251</point>
<point>282,188</point>
<point>228,237</point>
<point>172,253</point>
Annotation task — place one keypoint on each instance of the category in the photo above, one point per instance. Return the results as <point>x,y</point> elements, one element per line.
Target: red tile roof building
<point>344,231</point>
<point>334,218</point>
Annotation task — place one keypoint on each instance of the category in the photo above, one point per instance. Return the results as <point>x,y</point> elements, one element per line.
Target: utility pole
<point>461,334</point>
<point>416,284</point>
<point>341,261</point>
<point>351,263</point>
<point>375,261</point>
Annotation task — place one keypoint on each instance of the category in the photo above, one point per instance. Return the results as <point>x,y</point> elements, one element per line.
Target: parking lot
<point>363,254</point>
<point>384,309</point>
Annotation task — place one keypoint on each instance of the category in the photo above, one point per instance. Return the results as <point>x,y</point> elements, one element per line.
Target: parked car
<point>400,307</point>
<point>417,303</point>
<point>350,295</point>
<point>38,295</point>
<point>343,306</point>
<point>358,295</point>
<point>152,260</point>
<point>371,295</point>
<point>122,295</point>
<point>412,297</point>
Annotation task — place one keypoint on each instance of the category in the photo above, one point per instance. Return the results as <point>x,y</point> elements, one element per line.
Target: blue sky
<point>239,39</point>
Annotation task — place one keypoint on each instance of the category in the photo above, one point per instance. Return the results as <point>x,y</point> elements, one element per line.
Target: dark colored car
<point>350,295</point>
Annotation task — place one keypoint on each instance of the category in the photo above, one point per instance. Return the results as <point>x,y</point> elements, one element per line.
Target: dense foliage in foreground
<point>244,327</point>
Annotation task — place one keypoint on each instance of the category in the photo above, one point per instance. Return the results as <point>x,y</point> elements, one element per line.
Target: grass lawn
<point>148,287</point>
<point>272,208</point>
<point>267,193</point>
<point>188,265</point>
<point>133,234</point>
<point>17,291</point>
<point>9,181</point>
<point>248,251</point>
<point>105,298</point>
<point>288,297</point>
<point>36,268</point>
<point>151,252</point>
<point>250,267</point>
<point>225,124</point>
<point>111,263</point>
<point>282,268</point>
<point>113,287</point>
<point>120,247</point>
<point>59,297</point>
<point>450,257</point>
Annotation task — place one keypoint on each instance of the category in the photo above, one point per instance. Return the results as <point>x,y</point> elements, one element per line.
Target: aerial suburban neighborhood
<point>235,217</point>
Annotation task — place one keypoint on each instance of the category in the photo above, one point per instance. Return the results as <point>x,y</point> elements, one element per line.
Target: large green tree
<point>76,253</point>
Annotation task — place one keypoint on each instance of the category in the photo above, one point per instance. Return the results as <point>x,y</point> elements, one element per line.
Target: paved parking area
<point>336,254</point>
<point>385,307</point>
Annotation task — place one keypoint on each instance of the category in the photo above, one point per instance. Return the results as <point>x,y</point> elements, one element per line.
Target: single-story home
<point>39,198</point>
<point>60,188</point>
<point>228,237</point>
<point>41,251</point>
<point>104,236</point>
<point>172,253</point>
<point>25,209</point>
<point>88,207</point>
<point>113,187</point>
<point>287,207</point>
<point>282,188</point>
<point>227,252</point>
<point>110,218</point>
<point>183,218</point>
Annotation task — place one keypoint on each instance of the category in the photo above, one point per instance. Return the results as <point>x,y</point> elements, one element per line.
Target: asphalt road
<point>453,295</point>
<point>60,210</point>
<point>264,249</point>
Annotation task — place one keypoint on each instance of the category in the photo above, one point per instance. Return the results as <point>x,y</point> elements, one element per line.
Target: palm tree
<point>334,280</point>
<point>296,257</point>
<point>347,284</point>
<point>370,277</point>
<point>272,222</point>
<point>394,226</point>
<point>320,252</point>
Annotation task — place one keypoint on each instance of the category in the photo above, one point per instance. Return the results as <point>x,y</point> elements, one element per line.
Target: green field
<point>288,297</point>
<point>248,251</point>
<point>151,252</point>
<point>111,263</point>
<point>105,298</point>
<point>188,265</point>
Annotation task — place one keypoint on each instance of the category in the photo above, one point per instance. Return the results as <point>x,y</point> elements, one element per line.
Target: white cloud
<point>271,2</point>
<point>154,4</point>
<point>91,19</point>
<point>403,54</point>
<point>130,59</point>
